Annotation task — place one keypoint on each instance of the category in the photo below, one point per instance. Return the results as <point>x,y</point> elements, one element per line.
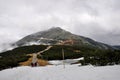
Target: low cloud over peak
<point>97,19</point>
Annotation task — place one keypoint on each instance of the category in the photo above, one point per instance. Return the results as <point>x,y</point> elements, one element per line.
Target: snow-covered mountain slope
<point>57,36</point>
<point>71,72</point>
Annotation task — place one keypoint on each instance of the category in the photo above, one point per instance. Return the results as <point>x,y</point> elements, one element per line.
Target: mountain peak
<point>56,35</point>
<point>56,29</point>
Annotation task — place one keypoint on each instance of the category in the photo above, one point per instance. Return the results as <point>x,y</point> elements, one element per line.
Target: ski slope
<point>71,72</point>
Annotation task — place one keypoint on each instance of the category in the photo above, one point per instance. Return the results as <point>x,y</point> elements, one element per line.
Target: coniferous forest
<point>93,56</point>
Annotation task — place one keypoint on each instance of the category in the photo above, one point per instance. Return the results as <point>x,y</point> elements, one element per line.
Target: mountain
<point>58,36</point>
<point>117,47</point>
<point>74,46</point>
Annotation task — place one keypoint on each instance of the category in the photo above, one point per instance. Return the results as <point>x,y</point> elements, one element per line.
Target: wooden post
<point>63,58</point>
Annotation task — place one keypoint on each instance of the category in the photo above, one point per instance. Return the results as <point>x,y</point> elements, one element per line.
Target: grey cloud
<point>97,19</point>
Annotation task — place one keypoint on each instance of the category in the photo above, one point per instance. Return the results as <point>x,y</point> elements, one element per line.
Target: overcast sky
<point>96,19</point>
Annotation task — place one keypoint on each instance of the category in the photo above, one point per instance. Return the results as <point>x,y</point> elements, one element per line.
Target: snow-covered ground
<point>70,72</point>
<point>67,61</point>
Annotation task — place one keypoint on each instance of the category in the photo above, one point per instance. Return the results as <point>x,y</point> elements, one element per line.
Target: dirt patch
<point>39,61</point>
<point>42,62</point>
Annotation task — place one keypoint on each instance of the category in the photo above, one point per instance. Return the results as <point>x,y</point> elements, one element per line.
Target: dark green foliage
<point>102,57</point>
<point>55,53</point>
<point>13,57</point>
<point>92,55</point>
<point>12,60</point>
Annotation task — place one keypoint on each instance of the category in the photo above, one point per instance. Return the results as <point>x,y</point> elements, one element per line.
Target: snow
<point>31,43</point>
<point>82,58</point>
<point>56,62</point>
<point>67,61</point>
<point>70,72</point>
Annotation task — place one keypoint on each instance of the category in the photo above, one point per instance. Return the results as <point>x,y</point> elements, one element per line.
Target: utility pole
<point>63,57</point>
